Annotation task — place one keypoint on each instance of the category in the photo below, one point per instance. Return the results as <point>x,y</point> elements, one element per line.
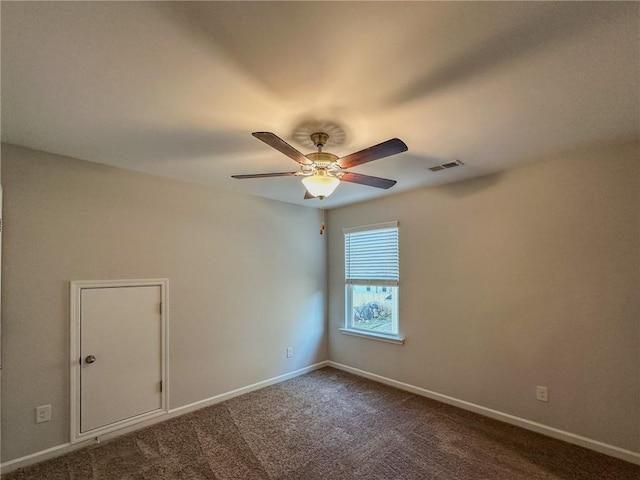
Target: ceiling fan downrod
<point>319,139</point>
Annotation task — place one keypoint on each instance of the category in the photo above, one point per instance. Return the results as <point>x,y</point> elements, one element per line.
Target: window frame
<point>392,281</point>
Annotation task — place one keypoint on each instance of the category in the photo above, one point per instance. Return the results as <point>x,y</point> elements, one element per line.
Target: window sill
<point>374,336</point>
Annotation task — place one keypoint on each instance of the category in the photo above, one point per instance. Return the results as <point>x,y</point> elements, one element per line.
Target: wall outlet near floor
<point>289,352</point>
<point>43,413</point>
<point>542,394</point>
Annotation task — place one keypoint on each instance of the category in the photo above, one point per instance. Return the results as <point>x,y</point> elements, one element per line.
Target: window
<point>372,280</point>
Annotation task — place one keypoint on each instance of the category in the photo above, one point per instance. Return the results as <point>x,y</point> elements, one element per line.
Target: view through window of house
<point>372,279</point>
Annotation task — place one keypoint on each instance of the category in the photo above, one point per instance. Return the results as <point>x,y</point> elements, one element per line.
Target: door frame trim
<point>76,288</point>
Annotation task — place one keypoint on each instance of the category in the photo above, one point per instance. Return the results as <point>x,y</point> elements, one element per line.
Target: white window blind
<point>371,255</point>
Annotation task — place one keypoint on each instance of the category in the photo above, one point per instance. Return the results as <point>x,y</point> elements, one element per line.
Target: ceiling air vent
<point>445,166</point>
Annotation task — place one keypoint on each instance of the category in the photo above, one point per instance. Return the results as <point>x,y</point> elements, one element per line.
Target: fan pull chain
<point>322,225</point>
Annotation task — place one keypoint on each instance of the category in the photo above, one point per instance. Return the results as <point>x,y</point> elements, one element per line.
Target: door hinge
<point>160,308</point>
<point>1,225</point>
<point>160,386</point>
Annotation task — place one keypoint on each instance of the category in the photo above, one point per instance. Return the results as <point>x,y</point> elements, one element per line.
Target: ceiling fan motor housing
<point>322,158</point>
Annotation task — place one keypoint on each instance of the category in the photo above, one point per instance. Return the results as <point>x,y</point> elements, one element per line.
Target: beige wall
<point>247,280</point>
<point>511,281</point>
<point>526,278</point>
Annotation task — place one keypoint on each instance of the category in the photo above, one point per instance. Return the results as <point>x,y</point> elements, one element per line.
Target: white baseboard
<point>174,412</point>
<point>61,449</point>
<point>611,450</point>
<point>601,447</point>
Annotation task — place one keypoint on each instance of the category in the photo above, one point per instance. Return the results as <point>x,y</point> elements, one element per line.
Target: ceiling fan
<point>323,171</point>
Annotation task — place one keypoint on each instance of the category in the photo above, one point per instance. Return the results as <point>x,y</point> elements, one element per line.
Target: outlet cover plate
<point>43,413</point>
<point>542,394</point>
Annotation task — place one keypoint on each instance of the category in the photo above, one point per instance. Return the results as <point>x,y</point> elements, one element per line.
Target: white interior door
<point>121,339</point>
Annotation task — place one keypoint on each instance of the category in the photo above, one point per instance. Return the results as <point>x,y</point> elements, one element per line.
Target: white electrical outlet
<point>43,413</point>
<point>289,352</point>
<point>542,394</point>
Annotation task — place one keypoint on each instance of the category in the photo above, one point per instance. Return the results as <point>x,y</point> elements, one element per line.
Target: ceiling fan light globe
<point>320,186</point>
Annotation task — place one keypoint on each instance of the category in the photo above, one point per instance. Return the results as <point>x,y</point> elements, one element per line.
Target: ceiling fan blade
<point>384,149</point>
<point>307,195</point>
<point>263,175</point>
<point>276,142</point>
<point>367,180</point>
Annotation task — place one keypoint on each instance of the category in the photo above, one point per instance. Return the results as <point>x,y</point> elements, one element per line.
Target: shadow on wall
<point>309,332</point>
<point>471,186</point>
<point>464,188</point>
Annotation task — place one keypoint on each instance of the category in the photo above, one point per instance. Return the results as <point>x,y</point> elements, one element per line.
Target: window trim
<point>395,338</point>
<point>371,226</point>
<point>381,337</point>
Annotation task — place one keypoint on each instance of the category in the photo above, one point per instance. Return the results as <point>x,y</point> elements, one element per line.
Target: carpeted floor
<point>330,425</point>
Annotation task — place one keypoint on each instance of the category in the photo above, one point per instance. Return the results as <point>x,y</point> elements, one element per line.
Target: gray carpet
<point>330,425</point>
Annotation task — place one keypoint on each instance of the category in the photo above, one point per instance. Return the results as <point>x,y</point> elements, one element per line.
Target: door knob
<point>90,359</point>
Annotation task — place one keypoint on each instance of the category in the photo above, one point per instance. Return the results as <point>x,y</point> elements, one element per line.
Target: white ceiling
<point>176,89</point>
